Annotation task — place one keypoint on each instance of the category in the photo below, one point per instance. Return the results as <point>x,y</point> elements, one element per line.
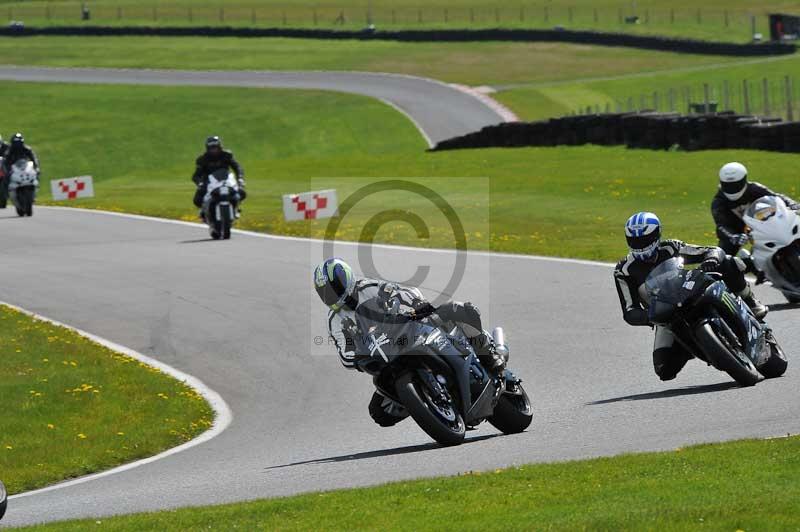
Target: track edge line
<point>223,418</point>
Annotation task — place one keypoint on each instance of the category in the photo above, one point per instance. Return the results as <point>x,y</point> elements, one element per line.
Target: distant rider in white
<point>371,299</point>
<point>734,197</point>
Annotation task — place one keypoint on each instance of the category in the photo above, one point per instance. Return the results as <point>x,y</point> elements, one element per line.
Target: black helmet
<point>213,142</point>
<point>17,140</point>
<point>334,282</point>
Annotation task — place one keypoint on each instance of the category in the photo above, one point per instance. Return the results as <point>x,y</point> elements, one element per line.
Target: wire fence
<point>293,15</point>
<point>777,98</point>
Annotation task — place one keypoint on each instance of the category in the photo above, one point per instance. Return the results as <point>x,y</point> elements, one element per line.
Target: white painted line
<point>338,242</point>
<point>402,111</point>
<point>222,420</point>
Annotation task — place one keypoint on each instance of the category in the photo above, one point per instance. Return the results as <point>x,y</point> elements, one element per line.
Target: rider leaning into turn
<point>15,151</point>
<point>647,250</point>
<point>348,297</point>
<point>730,203</point>
<point>215,158</point>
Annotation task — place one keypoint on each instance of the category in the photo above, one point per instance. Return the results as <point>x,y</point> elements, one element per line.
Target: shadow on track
<point>673,392</point>
<point>777,307</point>
<point>382,452</point>
<point>197,241</point>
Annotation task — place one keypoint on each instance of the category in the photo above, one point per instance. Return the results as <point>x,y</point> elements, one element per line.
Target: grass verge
<point>72,407</point>
<point>746,485</point>
<point>713,20</point>
<point>140,144</point>
<point>471,63</point>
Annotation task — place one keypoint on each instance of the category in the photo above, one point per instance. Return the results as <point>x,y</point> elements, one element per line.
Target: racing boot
<point>759,309</point>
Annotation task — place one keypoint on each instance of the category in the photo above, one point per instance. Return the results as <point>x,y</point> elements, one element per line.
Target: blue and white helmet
<point>643,233</point>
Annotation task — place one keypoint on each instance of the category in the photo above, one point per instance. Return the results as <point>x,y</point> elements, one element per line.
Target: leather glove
<point>710,265</point>
<point>423,310</point>
<point>741,239</point>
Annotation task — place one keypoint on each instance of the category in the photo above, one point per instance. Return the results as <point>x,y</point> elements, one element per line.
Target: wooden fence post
<point>789,106</point>
<point>765,90</point>
<point>746,96</point>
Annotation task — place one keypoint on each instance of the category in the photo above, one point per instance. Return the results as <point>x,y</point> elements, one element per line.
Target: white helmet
<point>733,180</point>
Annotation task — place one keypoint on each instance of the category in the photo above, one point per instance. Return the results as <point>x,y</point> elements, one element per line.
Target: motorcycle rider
<point>3,147</point>
<point>17,149</point>
<point>347,296</point>
<point>648,250</point>
<point>732,200</point>
<point>215,157</point>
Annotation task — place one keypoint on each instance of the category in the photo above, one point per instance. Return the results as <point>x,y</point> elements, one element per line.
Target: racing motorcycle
<point>774,230</point>
<point>221,203</point>
<point>3,500</point>
<point>23,182</point>
<point>712,323</point>
<point>430,367</point>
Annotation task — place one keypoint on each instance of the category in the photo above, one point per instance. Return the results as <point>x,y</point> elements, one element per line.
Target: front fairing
<point>773,226</point>
<point>669,288</point>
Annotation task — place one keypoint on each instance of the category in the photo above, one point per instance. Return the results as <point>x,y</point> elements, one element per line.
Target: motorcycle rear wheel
<point>720,354</point>
<point>513,413</point>
<point>419,404</point>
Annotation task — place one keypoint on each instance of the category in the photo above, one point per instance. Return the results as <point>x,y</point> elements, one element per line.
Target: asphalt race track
<point>300,420</point>
<point>439,110</point>
<point>242,317</point>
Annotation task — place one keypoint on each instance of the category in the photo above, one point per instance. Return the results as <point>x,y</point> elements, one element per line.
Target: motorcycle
<point>23,182</point>
<point>3,500</point>
<point>774,230</point>
<point>712,323</point>
<point>430,367</point>
<point>221,203</point>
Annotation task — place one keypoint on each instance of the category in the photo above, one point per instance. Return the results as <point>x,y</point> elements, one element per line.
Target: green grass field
<point>539,80</point>
<point>714,20</point>
<point>748,485</point>
<point>470,63</point>
<point>72,407</point>
<point>140,144</point>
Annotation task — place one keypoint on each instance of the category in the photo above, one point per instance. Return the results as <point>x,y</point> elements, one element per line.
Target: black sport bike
<point>712,323</point>
<point>430,368</point>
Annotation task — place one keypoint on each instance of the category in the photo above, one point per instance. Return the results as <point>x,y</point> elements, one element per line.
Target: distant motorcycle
<point>432,370</point>
<point>221,203</point>
<point>775,232</point>
<point>712,323</point>
<point>23,182</point>
<point>3,500</point>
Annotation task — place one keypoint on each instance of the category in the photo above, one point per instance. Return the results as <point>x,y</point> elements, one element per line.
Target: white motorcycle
<point>221,203</point>
<point>775,232</point>
<point>23,182</point>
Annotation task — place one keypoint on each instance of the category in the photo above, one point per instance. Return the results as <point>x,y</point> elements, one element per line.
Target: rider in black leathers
<point>631,272</point>
<point>215,158</point>
<point>348,297</point>
<point>732,200</point>
<point>16,150</point>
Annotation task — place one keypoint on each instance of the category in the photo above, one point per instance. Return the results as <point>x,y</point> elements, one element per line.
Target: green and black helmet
<point>334,282</point>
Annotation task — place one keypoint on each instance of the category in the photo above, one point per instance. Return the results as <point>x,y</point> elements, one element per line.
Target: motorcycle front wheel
<point>513,413</point>
<point>440,420</point>
<point>727,357</point>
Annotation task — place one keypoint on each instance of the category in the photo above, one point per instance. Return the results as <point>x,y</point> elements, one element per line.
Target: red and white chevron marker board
<point>71,188</point>
<point>310,205</point>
